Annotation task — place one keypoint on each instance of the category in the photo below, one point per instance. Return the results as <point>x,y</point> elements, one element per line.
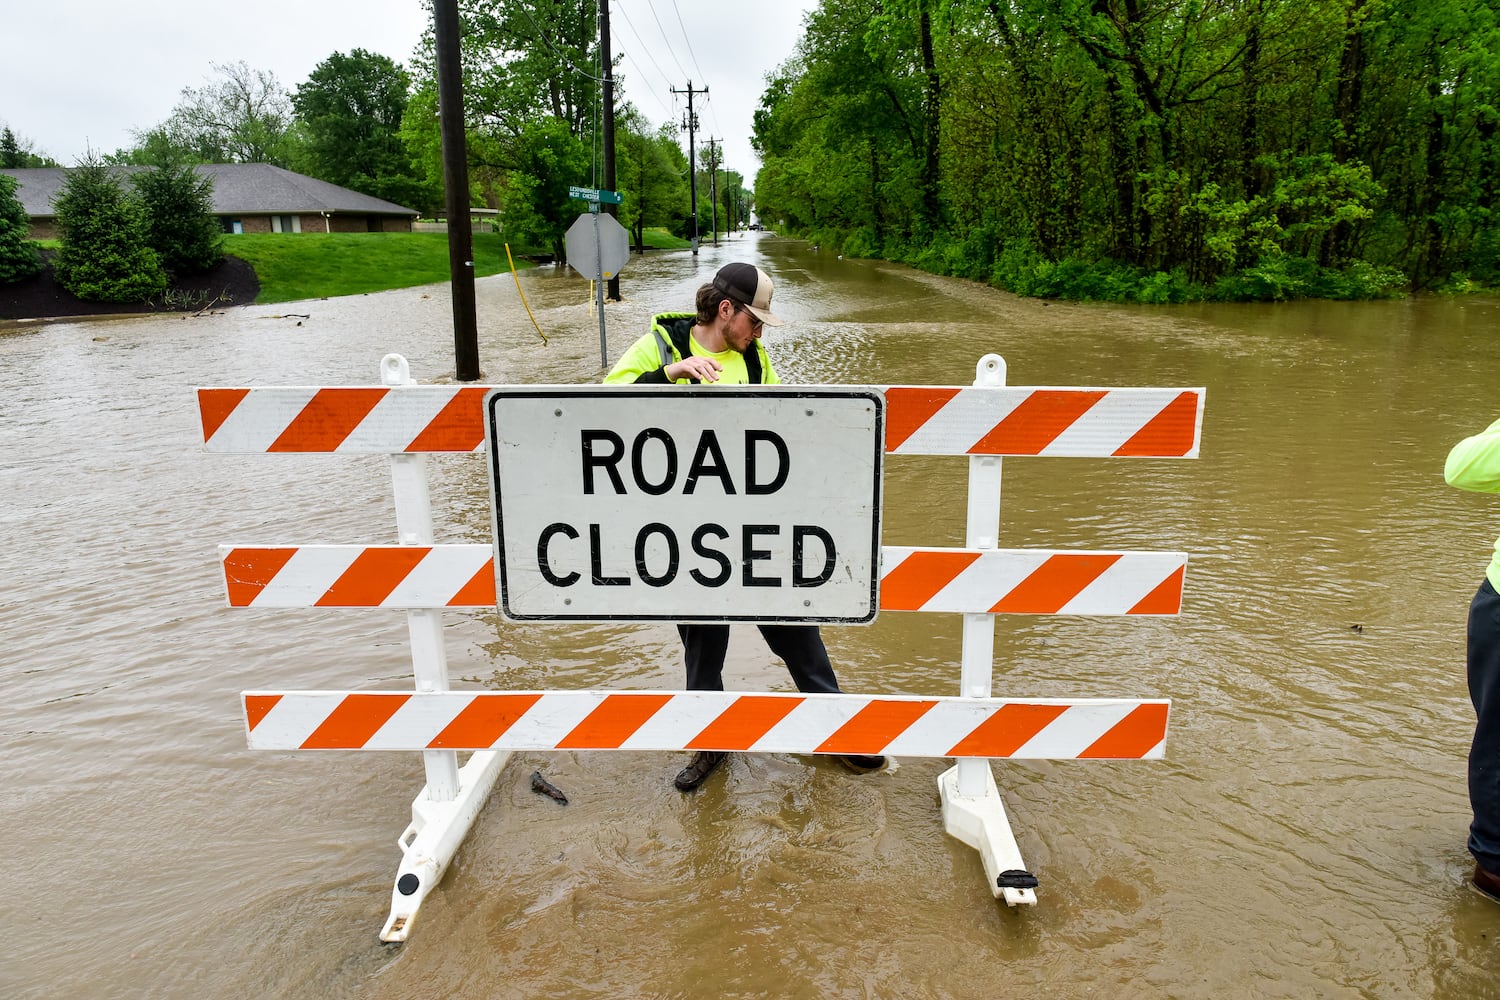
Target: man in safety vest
<point>1474,464</point>
<point>720,343</point>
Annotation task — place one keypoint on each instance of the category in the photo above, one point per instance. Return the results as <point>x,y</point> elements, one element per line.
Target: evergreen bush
<point>19,256</point>
<point>180,224</point>
<point>104,255</point>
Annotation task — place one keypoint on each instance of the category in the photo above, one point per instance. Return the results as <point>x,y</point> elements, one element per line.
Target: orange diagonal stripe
<point>479,592</point>
<point>372,576</point>
<point>1006,731</point>
<point>874,726</point>
<point>908,408</point>
<point>483,721</point>
<point>1133,736</point>
<point>215,406</point>
<point>257,705</point>
<point>613,722</point>
<point>1165,599</point>
<point>248,571</point>
<point>746,720</point>
<point>921,575</point>
<point>458,427</point>
<point>1169,434</point>
<point>1037,422</point>
<point>354,721</point>
<point>1054,583</point>
<point>327,419</point>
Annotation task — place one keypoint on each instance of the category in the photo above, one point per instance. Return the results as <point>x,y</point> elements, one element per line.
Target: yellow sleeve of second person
<point>1474,463</point>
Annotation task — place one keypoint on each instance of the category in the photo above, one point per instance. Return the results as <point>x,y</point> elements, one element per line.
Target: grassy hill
<point>319,265</point>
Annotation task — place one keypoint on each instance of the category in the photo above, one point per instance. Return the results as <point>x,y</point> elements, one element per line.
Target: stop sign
<point>595,242</point>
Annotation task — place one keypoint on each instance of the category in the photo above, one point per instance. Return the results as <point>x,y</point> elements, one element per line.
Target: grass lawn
<point>660,239</point>
<point>318,265</point>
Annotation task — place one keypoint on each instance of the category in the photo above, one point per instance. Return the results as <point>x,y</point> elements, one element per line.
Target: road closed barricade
<point>674,504</point>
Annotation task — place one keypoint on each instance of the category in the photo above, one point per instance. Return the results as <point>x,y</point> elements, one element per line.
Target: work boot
<point>1487,884</point>
<point>698,769</point>
<point>863,763</point>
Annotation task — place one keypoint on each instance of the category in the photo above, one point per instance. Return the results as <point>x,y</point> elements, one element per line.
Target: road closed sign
<point>679,503</point>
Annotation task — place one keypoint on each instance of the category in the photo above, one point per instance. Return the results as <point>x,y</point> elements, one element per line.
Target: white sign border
<point>873,394</point>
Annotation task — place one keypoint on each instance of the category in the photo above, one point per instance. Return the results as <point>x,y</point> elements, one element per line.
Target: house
<point>247,198</point>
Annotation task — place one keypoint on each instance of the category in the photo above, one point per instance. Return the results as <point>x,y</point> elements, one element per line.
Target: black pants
<point>801,646</point>
<point>1484,754</point>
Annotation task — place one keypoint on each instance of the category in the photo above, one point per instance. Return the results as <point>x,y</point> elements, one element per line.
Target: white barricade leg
<point>436,831</point>
<point>972,809</point>
<point>446,806</point>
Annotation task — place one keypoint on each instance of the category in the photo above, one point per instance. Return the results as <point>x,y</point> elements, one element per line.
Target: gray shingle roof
<point>239,189</point>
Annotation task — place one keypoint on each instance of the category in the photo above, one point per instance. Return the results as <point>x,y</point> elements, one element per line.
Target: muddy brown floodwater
<point>1302,838</point>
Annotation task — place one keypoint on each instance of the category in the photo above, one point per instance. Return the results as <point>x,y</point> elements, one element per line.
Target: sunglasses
<point>755,321</point>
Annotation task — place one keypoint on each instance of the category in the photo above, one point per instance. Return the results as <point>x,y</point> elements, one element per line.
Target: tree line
<point>1154,150</point>
<point>533,105</point>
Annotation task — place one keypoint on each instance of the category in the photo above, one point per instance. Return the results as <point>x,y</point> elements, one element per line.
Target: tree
<point>536,208</point>
<point>529,98</point>
<point>180,224</point>
<point>243,116</point>
<point>104,255</point>
<point>350,110</point>
<point>162,144</point>
<point>19,257</point>
<point>16,153</point>
<point>651,173</point>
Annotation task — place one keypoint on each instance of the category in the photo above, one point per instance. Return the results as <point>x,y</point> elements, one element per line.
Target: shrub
<point>19,257</point>
<point>180,225</point>
<point>104,255</point>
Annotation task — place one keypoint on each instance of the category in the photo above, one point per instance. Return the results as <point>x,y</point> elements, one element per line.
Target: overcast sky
<point>80,74</point>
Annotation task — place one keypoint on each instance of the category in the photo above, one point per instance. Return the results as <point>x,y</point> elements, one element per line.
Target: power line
<point>652,7</point>
<point>689,41</point>
<point>671,112</point>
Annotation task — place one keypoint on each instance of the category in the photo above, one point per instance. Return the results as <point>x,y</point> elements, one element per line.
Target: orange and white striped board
<point>920,420</point>
<point>967,581</point>
<point>1022,420</point>
<point>1040,729</point>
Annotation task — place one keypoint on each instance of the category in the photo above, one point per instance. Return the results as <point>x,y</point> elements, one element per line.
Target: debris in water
<point>547,788</point>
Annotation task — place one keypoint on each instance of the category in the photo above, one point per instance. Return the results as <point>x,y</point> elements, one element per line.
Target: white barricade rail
<point>985,422</point>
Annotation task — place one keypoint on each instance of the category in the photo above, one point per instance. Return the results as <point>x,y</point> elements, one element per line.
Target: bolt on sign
<point>679,503</point>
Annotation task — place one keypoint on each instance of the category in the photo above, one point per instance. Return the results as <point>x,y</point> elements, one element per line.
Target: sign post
<point>597,247</point>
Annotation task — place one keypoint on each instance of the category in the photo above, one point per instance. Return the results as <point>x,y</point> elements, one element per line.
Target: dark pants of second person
<point>1484,755</point>
<point>801,646</point>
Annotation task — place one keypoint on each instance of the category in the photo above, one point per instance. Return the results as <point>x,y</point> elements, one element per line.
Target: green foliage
<point>536,208</point>
<point>104,255</point>
<point>241,115</point>
<point>19,257</point>
<point>180,224</point>
<point>17,154</point>
<point>649,170</point>
<point>1146,151</point>
<point>350,111</point>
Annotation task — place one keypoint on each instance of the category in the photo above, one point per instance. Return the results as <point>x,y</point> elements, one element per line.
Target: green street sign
<point>595,194</point>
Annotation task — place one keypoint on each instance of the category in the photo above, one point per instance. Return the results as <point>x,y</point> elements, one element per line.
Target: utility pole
<point>713,184</point>
<point>690,124</point>
<point>456,183</point>
<point>609,127</point>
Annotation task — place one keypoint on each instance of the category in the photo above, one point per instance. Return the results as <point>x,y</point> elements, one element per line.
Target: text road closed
<point>686,504</point>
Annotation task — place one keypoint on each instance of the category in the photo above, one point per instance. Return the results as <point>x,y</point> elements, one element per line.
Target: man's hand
<point>702,369</point>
